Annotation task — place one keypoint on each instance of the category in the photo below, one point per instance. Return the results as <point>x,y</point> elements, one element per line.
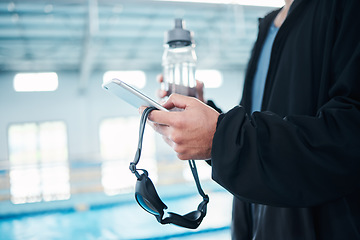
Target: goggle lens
<point>145,204</point>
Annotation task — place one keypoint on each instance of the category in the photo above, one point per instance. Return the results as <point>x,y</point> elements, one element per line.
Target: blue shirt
<point>262,69</point>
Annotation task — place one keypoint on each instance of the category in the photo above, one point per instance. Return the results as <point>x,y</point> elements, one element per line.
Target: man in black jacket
<point>293,167</point>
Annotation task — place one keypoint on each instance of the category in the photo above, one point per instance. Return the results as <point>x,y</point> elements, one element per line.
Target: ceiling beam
<point>89,46</point>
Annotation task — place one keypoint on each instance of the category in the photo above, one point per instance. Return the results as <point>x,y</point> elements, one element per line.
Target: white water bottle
<point>179,61</point>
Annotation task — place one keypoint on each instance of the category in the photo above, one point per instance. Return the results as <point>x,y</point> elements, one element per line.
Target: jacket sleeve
<point>297,161</point>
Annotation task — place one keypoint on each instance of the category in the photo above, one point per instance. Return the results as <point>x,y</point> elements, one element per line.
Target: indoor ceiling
<point>101,35</point>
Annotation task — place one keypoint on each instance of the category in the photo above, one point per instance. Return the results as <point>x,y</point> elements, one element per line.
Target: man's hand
<point>189,131</point>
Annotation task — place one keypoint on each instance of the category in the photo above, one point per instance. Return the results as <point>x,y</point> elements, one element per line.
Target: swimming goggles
<point>148,198</point>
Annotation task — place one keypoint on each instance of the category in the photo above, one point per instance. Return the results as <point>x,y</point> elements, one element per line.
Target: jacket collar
<point>295,4</point>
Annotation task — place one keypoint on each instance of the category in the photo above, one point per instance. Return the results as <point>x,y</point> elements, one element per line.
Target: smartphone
<point>130,94</point>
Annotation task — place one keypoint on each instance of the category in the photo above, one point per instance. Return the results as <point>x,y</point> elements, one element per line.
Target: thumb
<point>200,90</point>
<point>177,101</point>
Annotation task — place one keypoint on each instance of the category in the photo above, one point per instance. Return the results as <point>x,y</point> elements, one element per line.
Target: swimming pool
<point>125,220</point>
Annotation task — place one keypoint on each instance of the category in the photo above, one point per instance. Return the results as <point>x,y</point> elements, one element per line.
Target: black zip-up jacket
<point>294,167</point>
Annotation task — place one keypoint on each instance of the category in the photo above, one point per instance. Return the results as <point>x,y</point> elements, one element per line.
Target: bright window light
<point>36,82</point>
<point>38,155</point>
<point>260,3</point>
<point>118,141</point>
<point>210,78</point>
<point>133,78</point>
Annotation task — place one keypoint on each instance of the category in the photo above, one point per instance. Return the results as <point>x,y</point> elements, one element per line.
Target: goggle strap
<point>133,169</point>
<point>197,181</point>
<point>144,116</point>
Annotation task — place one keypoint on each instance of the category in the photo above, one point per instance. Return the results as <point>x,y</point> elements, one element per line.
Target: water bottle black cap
<point>178,34</point>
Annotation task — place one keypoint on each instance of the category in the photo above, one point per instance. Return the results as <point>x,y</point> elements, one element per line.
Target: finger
<point>170,118</point>
<point>160,128</point>
<point>159,78</point>
<point>199,84</point>
<point>181,153</point>
<point>154,116</point>
<point>183,156</point>
<point>141,109</point>
<point>200,90</point>
<point>168,141</point>
<point>161,93</point>
<point>178,101</point>
<point>162,117</point>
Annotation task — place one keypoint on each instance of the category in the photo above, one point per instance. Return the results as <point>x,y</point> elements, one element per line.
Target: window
<point>38,162</point>
<point>118,144</point>
<point>210,78</point>
<point>35,82</point>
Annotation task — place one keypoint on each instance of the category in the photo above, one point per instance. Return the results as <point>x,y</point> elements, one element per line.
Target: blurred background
<point>66,144</point>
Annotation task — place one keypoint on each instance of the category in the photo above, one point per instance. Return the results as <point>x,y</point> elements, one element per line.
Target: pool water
<point>121,221</point>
